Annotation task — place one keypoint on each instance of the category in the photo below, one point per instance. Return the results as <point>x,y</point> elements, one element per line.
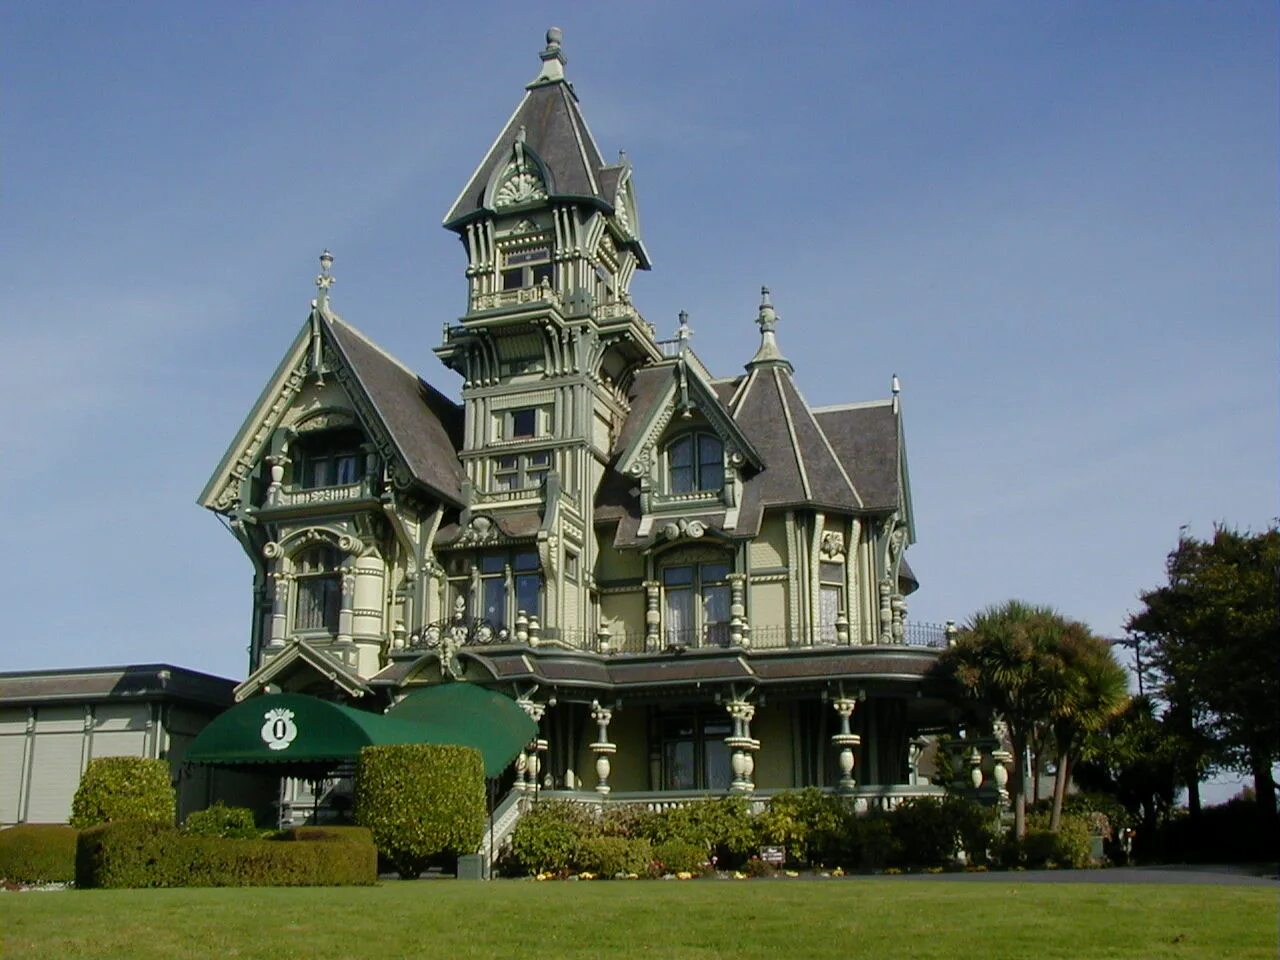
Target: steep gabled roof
<point>557,134</point>
<point>424,424</point>
<point>867,439</point>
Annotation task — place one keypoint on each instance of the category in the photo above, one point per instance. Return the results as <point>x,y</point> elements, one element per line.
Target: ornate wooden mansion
<point>693,583</point>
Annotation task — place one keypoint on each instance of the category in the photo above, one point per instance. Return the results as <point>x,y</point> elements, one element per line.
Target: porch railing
<point>873,797</point>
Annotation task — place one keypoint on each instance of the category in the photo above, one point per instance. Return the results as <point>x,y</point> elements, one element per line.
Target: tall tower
<point>549,340</point>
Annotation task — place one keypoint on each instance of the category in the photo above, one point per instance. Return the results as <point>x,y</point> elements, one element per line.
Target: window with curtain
<point>317,590</point>
<point>696,604</point>
<point>830,600</point>
<point>509,583</point>
<point>331,458</point>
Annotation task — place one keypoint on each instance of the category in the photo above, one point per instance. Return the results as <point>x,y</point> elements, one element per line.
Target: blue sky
<point>1055,222</point>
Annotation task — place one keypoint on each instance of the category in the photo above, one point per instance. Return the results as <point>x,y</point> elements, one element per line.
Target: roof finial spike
<point>325,280</point>
<point>895,385</point>
<point>767,318</point>
<point>553,59</point>
<point>683,333</point>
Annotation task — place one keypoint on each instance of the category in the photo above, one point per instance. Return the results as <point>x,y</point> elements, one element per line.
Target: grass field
<point>846,919</point>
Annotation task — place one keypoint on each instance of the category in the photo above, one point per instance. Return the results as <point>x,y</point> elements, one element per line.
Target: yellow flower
<point>792,873</point>
<point>684,875</point>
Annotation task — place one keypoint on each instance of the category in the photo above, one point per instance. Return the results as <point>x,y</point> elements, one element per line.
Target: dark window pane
<point>710,449</point>
<point>523,423</point>
<point>680,453</point>
<point>527,560</point>
<point>346,469</point>
<point>831,572</point>
<point>713,572</point>
<point>682,479</point>
<point>512,279</point>
<point>711,476</point>
<point>542,459</point>
<point>529,593</point>
<point>678,767</point>
<point>495,602</point>
<point>677,576</point>
<point>493,564</point>
<point>542,272</point>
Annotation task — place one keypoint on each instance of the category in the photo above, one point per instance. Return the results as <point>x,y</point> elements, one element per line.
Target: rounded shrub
<point>123,788</point>
<point>421,801</point>
<point>813,826</point>
<point>222,821</point>
<point>723,827</point>
<point>38,853</point>
<point>679,856</point>
<point>614,856</point>
<point>548,837</point>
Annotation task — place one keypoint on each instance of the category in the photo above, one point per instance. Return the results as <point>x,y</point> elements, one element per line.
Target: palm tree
<point>1005,657</point>
<point>1094,688</point>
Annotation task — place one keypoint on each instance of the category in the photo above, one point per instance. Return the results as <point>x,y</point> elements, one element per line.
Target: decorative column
<point>602,748</point>
<point>604,639</point>
<point>844,742</point>
<point>741,744</point>
<point>527,764</point>
<point>276,465</point>
<point>652,619</point>
<point>1001,758</point>
<point>950,631</point>
<point>886,611</point>
<point>738,635</point>
<point>975,768</point>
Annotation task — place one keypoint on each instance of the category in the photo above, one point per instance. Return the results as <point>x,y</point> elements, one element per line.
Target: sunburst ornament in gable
<point>520,184</point>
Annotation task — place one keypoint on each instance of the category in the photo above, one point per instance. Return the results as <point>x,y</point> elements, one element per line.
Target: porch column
<point>738,635</point>
<point>652,618</point>
<point>742,746</point>
<point>602,747</point>
<point>527,764</point>
<point>844,742</point>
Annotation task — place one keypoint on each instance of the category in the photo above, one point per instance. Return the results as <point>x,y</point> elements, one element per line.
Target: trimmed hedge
<point>421,801</point>
<point>222,821</point>
<point>141,854</point>
<point>614,856</point>
<point>329,834</point>
<point>679,856</point>
<point>549,837</point>
<point>38,853</point>
<point>124,788</point>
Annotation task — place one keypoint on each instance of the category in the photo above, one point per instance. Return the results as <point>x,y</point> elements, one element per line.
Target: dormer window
<point>527,268</point>
<point>329,459</point>
<point>695,463</point>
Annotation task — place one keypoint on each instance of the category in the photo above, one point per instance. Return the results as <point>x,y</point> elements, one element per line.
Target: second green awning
<point>471,716</point>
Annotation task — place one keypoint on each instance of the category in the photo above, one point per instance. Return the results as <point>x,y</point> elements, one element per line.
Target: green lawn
<point>863,917</point>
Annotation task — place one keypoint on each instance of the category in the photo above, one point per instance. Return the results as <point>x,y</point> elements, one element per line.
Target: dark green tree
<point>1214,634</point>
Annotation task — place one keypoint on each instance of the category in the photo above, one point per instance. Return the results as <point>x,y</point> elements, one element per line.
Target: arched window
<point>317,590</point>
<point>695,462</point>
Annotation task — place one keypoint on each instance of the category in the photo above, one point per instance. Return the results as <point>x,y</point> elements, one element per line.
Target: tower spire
<point>553,59</point>
<point>767,318</point>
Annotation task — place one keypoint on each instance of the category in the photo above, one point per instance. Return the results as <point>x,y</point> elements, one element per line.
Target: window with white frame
<point>695,604</point>
<point>317,594</point>
<point>695,463</point>
<point>830,599</point>
<point>521,471</point>
<point>527,267</point>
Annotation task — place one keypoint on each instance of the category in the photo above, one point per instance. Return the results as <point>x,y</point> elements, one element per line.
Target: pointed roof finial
<point>325,280</point>
<point>553,59</point>
<point>895,385</point>
<point>767,319</point>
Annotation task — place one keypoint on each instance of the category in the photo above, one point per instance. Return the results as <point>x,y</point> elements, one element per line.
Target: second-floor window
<point>317,590</point>
<point>695,462</point>
<point>521,471</point>
<point>830,600</point>
<point>510,583</point>
<point>329,459</point>
<point>696,604</point>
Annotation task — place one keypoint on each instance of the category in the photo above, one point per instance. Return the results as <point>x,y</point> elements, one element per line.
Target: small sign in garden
<point>773,855</point>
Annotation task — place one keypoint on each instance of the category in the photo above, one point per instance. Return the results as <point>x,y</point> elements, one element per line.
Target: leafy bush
<point>813,826</point>
<point>1071,846</point>
<point>723,827</point>
<point>610,856</point>
<point>1237,831</point>
<point>679,856</point>
<point>222,821</point>
<point>929,833</point>
<point>329,834</point>
<point>123,788</point>
<point>871,843</point>
<point>627,820</point>
<point>142,854</point>
<point>38,853</point>
<point>421,801</point>
<point>549,836</point>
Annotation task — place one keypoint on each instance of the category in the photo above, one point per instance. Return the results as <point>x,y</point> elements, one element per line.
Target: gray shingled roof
<point>557,134</point>
<point>424,424</point>
<point>866,440</point>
